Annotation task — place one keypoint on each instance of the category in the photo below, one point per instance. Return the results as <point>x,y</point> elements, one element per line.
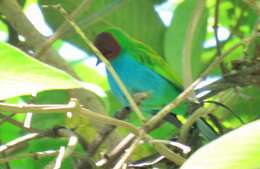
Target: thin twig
<point>4,119</point>
<point>105,131</point>
<point>39,155</point>
<point>249,75</point>
<point>160,147</point>
<point>64,152</point>
<point>72,106</point>
<point>64,26</point>
<point>24,108</point>
<point>17,123</point>
<point>215,27</point>
<point>85,113</point>
<point>36,155</point>
<point>58,162</point>
<point>170,155</point>
<point>128,152</point>
<point>19,140</point>
<point>3,155</point>
<point>109,159</point>
<point>147,164</point>
<point>196,115</point>
<point>28,116</point>
<point>185,149</point>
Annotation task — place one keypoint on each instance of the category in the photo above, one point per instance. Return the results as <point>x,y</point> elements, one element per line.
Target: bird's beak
<point>98,61</point>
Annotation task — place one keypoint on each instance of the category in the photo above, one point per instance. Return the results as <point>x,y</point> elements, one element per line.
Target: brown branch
<point>17,123</point>
<point>215,27</point>
<point>4,119</point>
<point>107,129</point>
<point>109,159</point>
<point>249,75</point>
<point>74,107</point>
<point>64,152</point>
<point>43,154</point>
<point>19,141</point>
<point>60,132</point>
<point>147,162</point>
<point>105,132</point>
<point>127,153</point>
<point>24,108</point>
<point>36,155</point>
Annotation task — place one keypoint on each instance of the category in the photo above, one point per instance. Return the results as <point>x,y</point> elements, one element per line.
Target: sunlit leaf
<point>237,149</point>
<point>22,75</point>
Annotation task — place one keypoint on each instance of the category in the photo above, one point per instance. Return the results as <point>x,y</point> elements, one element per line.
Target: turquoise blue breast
<point>139,78</point>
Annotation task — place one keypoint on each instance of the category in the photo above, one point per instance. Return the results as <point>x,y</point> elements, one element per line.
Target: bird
<point>141,69</point>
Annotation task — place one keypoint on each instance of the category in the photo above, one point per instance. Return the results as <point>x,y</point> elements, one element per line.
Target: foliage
<point>200,33</point>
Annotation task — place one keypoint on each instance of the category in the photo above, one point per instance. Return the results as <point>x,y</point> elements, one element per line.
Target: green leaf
<point>22,75</point>
<point>237,149</point>
<point>175,38</point>
<point>245,104</point>
<point>133,16</point>
<point>48,121</point>
<point>90,75</point>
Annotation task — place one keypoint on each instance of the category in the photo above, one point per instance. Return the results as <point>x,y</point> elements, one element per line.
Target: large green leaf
<point>237,149</point>
<point>175,38</point>
<point>22,75</point>
<point>138,18</point>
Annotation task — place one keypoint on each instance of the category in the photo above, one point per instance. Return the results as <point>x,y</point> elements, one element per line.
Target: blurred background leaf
<point>133,16</point>
<point>174,40</point>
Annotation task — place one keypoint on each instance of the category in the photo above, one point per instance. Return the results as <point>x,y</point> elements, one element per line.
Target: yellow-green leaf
<point>237,149</point>
<point>20,74</point>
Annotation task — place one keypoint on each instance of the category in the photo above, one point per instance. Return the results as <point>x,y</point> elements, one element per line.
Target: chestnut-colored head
<point>107,45</point>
